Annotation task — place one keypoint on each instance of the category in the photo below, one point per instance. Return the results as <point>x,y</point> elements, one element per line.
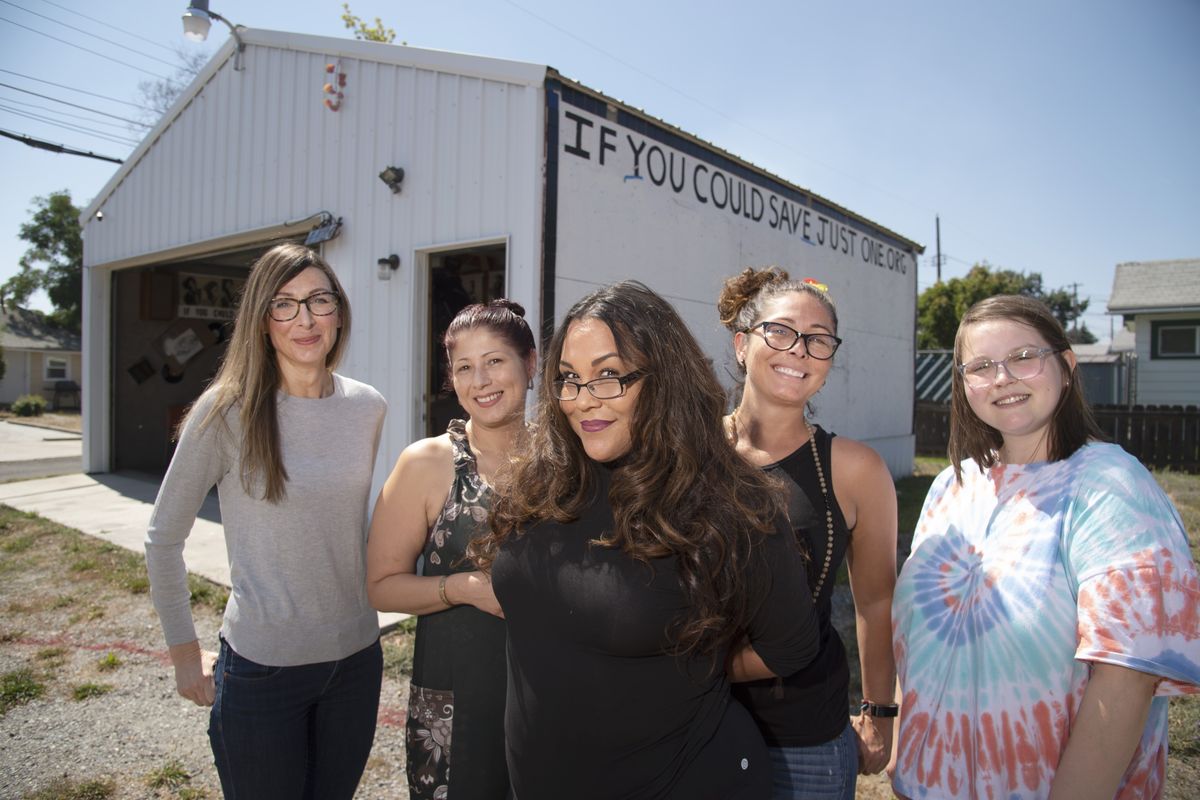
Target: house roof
<point>517,72</point>
<point>29,330</point>
<point>1141,287</point>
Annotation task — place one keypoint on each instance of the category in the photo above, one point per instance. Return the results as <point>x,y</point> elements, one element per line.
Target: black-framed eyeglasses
<point>285,309</point>
<point>601,388</point>
<point>1021,365</point>
<point>778,336</point>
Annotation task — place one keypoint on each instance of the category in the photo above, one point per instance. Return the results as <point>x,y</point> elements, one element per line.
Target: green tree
<point>370,33</point>
<point>54,261</point>
<point>941,306</point>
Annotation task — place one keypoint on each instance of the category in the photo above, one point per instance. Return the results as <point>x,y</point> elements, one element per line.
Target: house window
<point>1175,338</point>
<point>56,369</point>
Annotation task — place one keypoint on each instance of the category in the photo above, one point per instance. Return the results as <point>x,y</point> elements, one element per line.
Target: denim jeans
<point>826,771</point>
<point>294,733</point>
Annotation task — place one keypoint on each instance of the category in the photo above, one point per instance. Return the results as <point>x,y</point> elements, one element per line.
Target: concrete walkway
<point>114,506</point>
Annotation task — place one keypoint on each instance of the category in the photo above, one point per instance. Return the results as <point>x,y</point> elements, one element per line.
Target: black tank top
<point>812,706</point>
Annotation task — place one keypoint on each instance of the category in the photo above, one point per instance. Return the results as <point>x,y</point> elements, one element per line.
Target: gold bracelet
<point>442,591</point>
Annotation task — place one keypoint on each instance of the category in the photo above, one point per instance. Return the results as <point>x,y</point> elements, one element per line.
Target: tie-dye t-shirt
<point>1018,579</point>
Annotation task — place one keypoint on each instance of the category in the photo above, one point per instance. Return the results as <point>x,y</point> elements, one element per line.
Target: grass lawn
<point>1183,765</point>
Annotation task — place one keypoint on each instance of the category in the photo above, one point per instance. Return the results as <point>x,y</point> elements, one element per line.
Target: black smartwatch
<point>879,709</point>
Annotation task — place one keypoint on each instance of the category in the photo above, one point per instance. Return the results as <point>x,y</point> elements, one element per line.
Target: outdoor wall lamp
<point>197,19</point>
<point>387,266</point>
<point>393,177</point>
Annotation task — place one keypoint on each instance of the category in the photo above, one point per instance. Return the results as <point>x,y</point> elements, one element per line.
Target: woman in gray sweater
<point>290,446</point>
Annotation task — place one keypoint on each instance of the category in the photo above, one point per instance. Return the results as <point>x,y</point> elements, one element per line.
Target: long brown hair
<point>1071,425</point>
<point>680,490</point>
<point>249,374</point>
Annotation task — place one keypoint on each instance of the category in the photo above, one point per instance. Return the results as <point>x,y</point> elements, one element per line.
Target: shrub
<point>29,405</point>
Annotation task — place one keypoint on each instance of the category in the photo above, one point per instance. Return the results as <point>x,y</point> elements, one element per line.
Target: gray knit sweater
<point>298,568</point>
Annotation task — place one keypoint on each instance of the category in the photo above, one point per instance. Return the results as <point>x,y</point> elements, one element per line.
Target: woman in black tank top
<point>842,505</point>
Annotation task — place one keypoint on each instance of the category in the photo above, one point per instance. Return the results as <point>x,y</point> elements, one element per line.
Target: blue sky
<point>1057,136</point>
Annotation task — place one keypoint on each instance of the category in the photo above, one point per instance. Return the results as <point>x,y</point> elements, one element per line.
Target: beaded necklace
<point>812,441</point>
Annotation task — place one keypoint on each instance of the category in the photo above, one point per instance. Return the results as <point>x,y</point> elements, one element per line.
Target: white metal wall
<point>1165,381</point>
<point>255,148</point>
<point>652,212</point>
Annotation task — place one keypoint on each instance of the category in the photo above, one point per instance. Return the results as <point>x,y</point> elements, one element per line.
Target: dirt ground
<point>88,708</point>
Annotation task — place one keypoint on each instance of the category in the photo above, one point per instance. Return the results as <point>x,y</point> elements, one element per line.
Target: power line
<point>113,27</point>
<point>70,126</point>
<point>89,33</point>
<point>75,105</point>
<point>84,49</point>
<point>20,105</point>
<point>73,89</point>
<point>56,148</point>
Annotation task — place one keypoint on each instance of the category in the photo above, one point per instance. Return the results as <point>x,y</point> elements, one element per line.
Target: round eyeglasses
<point>1021,365</point>
<point>601,388</point>
<point>285,309</point>
<point>778,336</point>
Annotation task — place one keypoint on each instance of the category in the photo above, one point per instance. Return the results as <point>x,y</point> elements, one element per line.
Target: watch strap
<point>879,709</point>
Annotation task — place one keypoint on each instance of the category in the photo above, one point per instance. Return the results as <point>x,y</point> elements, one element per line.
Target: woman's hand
<point>194,672</point>
<point>874,737</point>
<point>475,589</point>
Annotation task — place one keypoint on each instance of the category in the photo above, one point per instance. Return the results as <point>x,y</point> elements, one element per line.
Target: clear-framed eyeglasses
<point>285,309</point>
<point>778,336</point>
<point>601,388</point>
<point>1029,362</point>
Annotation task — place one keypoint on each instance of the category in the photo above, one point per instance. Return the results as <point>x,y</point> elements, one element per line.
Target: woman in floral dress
<point>434,503</point>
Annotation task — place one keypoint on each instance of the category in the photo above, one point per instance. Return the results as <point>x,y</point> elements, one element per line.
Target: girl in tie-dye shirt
<point>1050,604</point>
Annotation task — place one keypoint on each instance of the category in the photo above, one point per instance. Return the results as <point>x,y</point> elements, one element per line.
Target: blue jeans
<point>294,732</point>
<point>826,771</point>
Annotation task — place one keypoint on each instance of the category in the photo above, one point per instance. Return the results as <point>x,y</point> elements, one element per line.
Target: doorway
<point>457,278</point>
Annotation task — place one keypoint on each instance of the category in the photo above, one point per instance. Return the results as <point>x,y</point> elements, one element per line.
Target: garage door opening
<point>171,325</point>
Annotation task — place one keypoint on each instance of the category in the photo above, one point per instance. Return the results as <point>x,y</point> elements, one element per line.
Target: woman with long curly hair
<point>635,554</point>
<point>842,506</point>
<point>290,446</point>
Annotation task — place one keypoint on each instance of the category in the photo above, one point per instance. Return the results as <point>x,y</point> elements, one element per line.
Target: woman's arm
<point>782,636</point>
<point>863,478</point>
<point>1105,732</point>
<point>408,506</point>
<point>201,460</point>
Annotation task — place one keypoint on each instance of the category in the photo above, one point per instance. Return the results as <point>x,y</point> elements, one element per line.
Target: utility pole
<point>1075,306</point>
<point>938,222</point>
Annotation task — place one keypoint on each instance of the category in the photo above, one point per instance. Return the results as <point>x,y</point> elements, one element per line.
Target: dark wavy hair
<point>1072,424</point>
<point>681,489</point>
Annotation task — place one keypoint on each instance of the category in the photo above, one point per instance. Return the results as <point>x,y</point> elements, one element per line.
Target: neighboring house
<point>432,179</point>
<point>1162,299</point>
<point>40,358</point>
<point>1109,370</point>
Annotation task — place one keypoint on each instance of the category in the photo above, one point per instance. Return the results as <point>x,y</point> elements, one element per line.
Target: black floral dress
<point>455,736</point>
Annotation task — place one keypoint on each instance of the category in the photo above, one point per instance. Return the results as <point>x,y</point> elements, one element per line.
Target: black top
<point>455,725</point>
<point>811,706</point>
<point>597,705</point>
